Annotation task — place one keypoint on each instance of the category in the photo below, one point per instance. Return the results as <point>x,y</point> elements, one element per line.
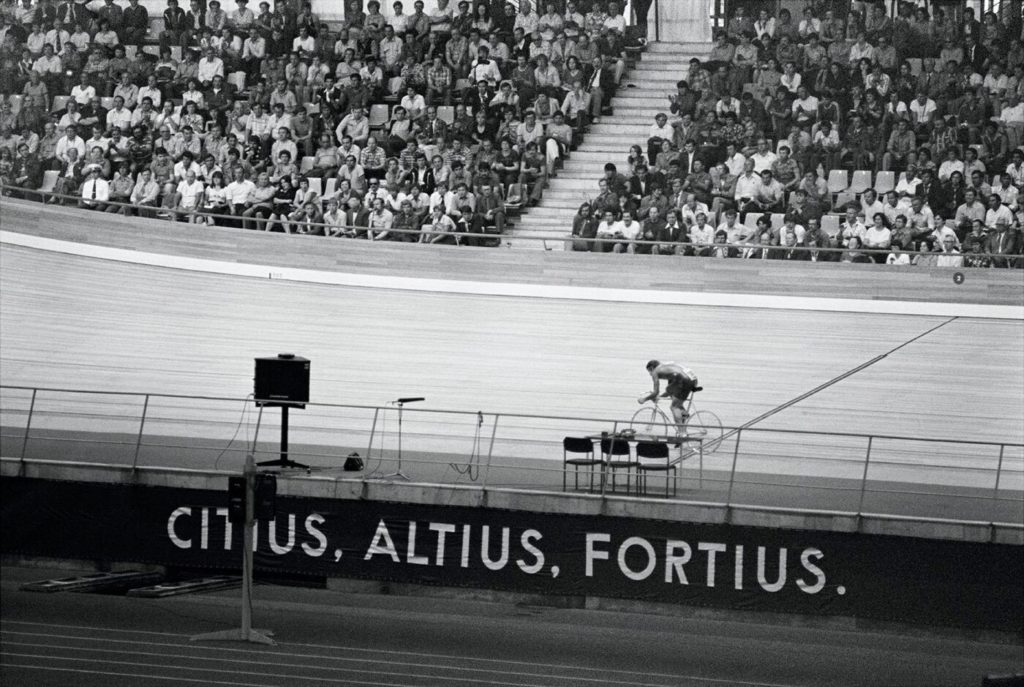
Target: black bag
<point>353,463</point>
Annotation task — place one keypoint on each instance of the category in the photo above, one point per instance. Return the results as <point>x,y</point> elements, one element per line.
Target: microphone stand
<point>398,474</point>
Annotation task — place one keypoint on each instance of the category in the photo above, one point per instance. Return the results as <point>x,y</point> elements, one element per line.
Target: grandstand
<point>506,117</point>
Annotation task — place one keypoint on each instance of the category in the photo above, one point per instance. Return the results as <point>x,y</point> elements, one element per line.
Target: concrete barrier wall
<point>536,502</point>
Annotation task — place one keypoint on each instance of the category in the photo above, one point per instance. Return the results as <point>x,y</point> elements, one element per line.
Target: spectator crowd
<point>849,133</point>
<point>410,126</point>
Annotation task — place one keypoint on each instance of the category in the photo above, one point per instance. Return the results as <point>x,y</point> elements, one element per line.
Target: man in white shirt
<point>951,164</point>
<point>70,139</point>
<point>702,235</point>
<point>615,21</point>
<point>763,157</point>
<point>609,229</point>
<point>119,116</point>
<point>997,212</point>
<point>209,67</point>
<point>83,93</point>
<point>922,113</point>
<point>187,195</point>
<point>746,184</point>
<point>95,192</point>
<point>921,220</point>
<point>237,193</point>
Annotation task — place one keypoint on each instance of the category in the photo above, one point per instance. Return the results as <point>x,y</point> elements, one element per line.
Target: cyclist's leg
<point>679,410</point>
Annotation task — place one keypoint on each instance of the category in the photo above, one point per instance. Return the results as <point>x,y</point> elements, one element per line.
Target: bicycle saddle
<point>698,388</point>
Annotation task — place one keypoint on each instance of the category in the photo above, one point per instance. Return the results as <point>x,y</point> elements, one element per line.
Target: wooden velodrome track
<point>415,321</point>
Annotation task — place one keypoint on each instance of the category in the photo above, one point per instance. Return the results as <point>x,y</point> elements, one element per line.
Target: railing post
<point>732,471</point>
<point>373,429</point>
<point>24,440</point>
<point>490,452</point>
<point>138,439</point>
<point>995,490</point>
<point>604,463</point>
<point>864,478</point>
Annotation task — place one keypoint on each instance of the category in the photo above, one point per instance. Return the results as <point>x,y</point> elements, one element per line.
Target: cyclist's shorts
<point>679,386</point>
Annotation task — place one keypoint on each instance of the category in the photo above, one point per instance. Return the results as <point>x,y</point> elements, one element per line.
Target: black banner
<point>794,571</point>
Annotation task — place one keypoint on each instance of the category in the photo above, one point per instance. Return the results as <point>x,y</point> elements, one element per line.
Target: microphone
<point>410,400</point>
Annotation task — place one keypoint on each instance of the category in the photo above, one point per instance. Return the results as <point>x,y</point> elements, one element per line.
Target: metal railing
<point>761,468</point>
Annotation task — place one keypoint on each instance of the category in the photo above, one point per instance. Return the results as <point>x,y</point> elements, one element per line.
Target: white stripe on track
<point>391,652</point>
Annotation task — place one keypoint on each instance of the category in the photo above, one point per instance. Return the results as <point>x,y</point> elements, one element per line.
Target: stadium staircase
<point>642,94</point>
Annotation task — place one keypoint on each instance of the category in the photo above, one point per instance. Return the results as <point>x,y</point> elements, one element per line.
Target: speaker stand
<point>283,461</point>
<point>398,474</point>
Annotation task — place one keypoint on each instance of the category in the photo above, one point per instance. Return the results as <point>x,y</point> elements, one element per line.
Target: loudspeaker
<point>282,381</point>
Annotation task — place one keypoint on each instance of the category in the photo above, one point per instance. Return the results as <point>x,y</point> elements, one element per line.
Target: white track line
<point>389,652</point>
<point>394,282</point>
<point>197,680</point>
<point>261,655</point>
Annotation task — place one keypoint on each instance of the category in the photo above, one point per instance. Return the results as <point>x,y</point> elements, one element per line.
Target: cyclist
<point>680,382</point>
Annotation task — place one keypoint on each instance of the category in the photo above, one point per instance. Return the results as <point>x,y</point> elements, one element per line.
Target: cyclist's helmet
<point>651,364</point>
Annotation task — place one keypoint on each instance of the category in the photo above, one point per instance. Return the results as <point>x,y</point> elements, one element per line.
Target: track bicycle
<point>651,420</point>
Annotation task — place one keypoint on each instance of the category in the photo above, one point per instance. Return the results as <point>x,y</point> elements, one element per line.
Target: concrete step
<point>646,94</point>
<point>672,47</point>
<point>650,77</point>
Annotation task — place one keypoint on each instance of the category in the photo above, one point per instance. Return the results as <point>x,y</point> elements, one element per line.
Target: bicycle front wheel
<point>705,425</point>
<point>652,421</point>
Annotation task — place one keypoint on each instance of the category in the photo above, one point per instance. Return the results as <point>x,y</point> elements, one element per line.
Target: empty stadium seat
<point>176,53</point>
<point>446,113</point>
<point>15,102</point>
<point>830,224</point>
<point>378,116</point>
<point>60,102</point>
<point>330,187</point>
<point>843,199</point>
<point>778,219</point>
<point>885,182</point>
<point>916,64</point>
<point>837,181</point>
<point>306,166</point>
<point>316,185</point>
<point>49,180</point>
<point>861,181</point>
<point>107,102</point>
<point>237,79</point>
<point>394,85</point>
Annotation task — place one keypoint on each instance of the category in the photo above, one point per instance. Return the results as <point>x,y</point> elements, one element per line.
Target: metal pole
<point>138,439</point>
<point>732,471</point>
<point>657,21</point>
<point>246,633</point>
<point>28,425</point>
<point>995,490</point>
<point>373,429</point>
<point>604,463</point>
<point>284,434</point>
<point>864,478</point>
<point>490,452</point>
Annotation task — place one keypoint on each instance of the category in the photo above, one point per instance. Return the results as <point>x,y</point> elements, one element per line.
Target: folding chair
<point>330,187</point>
<point>778,219</point>
<point>612,451</point>
<point>306,166</point>
<point>861,182</point>
<point>655,451</point>
<point>837,181</point>
<point>446,113</point>
<point>107,102</point>
<point>830,224</point>
<point>885,182</point>
<point>15,102</point>
<point>237,79</point>
<point>578,446</point>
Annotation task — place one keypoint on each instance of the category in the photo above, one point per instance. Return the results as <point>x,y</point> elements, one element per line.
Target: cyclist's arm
<point>654,394</point>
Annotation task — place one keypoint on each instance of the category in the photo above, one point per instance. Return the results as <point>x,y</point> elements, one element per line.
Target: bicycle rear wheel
<point>705,425</point>
<point>652,421</point>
